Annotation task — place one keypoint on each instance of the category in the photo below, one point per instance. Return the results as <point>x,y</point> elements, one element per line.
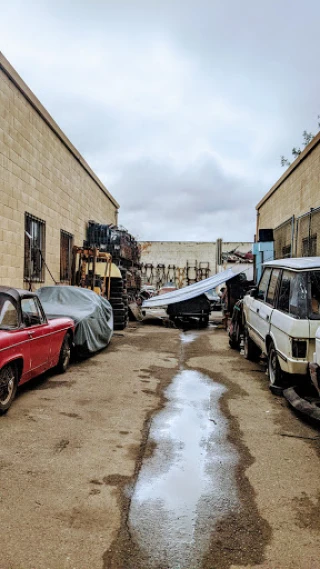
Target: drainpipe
<point>257,226</point>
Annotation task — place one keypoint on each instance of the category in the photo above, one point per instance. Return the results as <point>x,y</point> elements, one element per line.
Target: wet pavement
<point>189,483</point>
<point>102,411</point>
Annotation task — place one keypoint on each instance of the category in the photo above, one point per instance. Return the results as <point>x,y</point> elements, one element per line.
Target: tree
<point>307,137</point>
<point>285,161</point>
<point>296,151</point>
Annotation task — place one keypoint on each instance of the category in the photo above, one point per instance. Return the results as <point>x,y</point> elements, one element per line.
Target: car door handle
<point>258,310</point>
<point>30,334</point>
<point>267,317</point>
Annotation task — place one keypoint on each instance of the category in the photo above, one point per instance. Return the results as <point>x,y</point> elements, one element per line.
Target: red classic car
<point>29,343</point>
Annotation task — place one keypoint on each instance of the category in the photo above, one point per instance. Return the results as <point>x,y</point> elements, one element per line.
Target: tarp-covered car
<point>91,313</point>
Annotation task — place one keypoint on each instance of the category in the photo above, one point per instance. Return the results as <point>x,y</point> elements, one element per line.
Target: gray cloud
<point>183,109</point>
<point>195,203</point>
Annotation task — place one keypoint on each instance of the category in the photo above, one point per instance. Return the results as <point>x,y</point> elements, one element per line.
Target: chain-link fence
<point>308,227</point>
<point>283,239</point>
<point>298,237</point>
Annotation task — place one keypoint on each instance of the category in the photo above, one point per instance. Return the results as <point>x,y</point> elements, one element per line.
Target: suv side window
<point>299,295</point>
<point>263,284</point>
<point>273,287</point>
<point>284,293</point>
<point>293,294</point>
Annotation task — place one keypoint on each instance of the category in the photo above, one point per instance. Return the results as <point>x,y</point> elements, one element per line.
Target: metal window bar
<point>34,248</point>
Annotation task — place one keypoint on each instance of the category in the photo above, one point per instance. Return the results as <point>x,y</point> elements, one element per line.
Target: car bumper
<point>293,365</point>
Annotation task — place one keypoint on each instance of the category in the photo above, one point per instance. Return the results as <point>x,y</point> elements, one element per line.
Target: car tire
<point>204,322</point>
<point>276,375</point>
<point>116,291</point>
<point>250,350</point>
<point>8,386</point>
<point>117,305</point>
<point>120,325</point>
<point>234,339</point>
<point>65,354</point>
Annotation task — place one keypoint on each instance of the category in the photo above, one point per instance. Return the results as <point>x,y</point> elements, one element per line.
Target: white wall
<point>181,254</point>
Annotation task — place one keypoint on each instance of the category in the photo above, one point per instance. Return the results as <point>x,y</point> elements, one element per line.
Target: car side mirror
<point>253,292</point>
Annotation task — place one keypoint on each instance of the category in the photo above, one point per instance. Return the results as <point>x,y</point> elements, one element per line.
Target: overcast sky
<point>181,107</point>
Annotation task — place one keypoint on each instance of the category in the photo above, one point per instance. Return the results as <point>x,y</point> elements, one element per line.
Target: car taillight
<point>299,348</point>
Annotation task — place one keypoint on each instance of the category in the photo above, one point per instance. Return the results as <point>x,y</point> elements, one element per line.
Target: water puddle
<point>188,484</point>
<point>188,337</point>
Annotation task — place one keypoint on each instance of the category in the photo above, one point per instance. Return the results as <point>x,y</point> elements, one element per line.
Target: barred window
<point>34,248</point>
<point>66,241</point>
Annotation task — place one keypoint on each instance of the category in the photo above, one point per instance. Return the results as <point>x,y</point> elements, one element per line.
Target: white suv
<point>281,316</point>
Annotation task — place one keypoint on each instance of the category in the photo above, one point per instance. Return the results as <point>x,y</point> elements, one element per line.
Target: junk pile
<point>235,256</point>
<point>124,249</point>
<point>109,264</point>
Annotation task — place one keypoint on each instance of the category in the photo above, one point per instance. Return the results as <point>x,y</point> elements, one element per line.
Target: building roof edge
<point>307,150</point>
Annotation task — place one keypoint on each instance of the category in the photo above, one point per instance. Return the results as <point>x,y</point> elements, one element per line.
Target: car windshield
<point>314,287</point>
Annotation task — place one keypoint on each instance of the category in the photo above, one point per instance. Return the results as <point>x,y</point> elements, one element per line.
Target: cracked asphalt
<point>73,445</point>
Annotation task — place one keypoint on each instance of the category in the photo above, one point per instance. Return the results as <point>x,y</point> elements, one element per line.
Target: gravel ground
<point>72,446</point>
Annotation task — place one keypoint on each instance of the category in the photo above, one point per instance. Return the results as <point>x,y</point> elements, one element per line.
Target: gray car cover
<point>91,313</point>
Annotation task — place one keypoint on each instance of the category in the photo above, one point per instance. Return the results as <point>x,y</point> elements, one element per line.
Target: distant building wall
<point>43,175</point>
<point>178,253</point>
<point>183,261</point>
<point>286,207</point>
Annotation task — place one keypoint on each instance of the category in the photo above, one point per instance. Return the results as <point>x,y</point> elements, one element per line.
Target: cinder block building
<point>292,206</point>
<point>48,192</point>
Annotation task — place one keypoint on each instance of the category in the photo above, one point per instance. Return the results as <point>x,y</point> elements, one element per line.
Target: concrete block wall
<point>39,174</point>
<point>179,253</point>
<point>296,192</point>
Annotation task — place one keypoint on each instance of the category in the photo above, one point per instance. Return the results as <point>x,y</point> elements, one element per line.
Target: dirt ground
<point>72,446</point>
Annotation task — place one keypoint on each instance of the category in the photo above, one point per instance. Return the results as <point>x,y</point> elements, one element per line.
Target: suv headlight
<point>299,348</point>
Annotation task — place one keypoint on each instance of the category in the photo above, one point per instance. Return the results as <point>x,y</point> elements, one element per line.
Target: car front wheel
<point>65,354</point>
<point>8,387</point>
<point>276,375</point>
<point>234,337</point>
